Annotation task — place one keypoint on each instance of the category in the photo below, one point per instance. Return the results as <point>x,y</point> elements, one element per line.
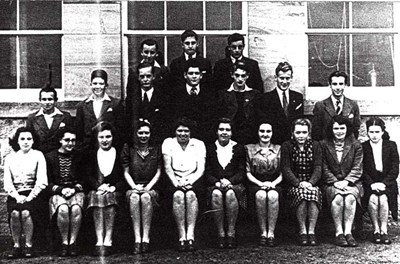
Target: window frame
<point>360,93</point>
<point>28,95</point>
<point>168,33</point>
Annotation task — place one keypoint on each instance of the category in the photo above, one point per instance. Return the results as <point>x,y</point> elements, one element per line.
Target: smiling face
<point>25,141</point>
<point>339,131</point>
<point>143,135</point>
<point>300,134</point>
<point>239,79</point>
<point>338,85</point>
<point>47,102</point>
<point>182,134</point>
<point>98,86</point>
<point>67,142</point>
<point>265,133</point>
<point>149,53</point>
<point>105,139</point>
<point>224,133</point>
<point>283,80</point>
<point>146,78</point>
<point>375,133</point>
<point>193,76</point>
<point>190,45</point>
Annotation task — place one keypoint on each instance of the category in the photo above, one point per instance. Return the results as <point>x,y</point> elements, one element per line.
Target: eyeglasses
<point>149,52</point>
<point>187,43</point>
<point>239,47</point>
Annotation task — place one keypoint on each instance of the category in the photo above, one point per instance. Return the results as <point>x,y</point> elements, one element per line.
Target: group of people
<point>218,140</point>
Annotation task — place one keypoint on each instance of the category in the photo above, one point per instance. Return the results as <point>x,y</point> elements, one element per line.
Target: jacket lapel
<point>42,123</point>
<point>346,107</point>
<point>346,149</point>
<point>104,107</point>
<point>332,151</point>
<point>56,122</point>
<point>329,108</point>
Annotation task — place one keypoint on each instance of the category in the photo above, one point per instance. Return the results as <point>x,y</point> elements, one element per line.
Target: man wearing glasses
<point>336,104</point>
<point>190,45</point>
<point>282,105</point>
<point>223,69</point>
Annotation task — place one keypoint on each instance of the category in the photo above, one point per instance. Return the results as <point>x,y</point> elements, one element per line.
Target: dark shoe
<point>15,253</point>
<point>221,242</point>
<point>108,250</point>
<point>136,249</point>
<point>231,242</point>
<point>340,241</point>
<point>311,240</point>
<point>303,240</point>
<point>271,242</point>
<point>190,245</point>
<point>263,241</point>
<point>73,250</point>
<point>351,242</point>
<point>28,252</point>
<point>377,238</point>
<point>385,239</point>
<point>182,246</point>
<point>145,247</point>
<point>63,251</point>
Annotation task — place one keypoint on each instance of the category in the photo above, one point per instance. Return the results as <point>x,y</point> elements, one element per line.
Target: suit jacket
<point>269,107</point>
<point>177,68</point>
<point>245,132</point>
<point>48,137</point>
<point>325,110</point>
<point>235,171</point>
<point>223,74</point>
<point>349,168</point>
<point>111,111</point>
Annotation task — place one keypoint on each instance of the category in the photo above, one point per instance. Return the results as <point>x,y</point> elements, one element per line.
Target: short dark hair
<point>144,123</point>
<point>189,33</point>
<point>284,67</point>
<point>48,89</point>
<point>145,65</point>
<point>223,120</point>
<point>376,121</point>
<point>186,122</point>
<point>149,42</point>
<point>235,37</point>
<point>99,73</point>
<point>302,122</point>
<point>338,74</point>
<point>191,63</point>
<point>13,141</point>
<point>341,120</point>
<point>63,130</point>
<point>265,121</point>
<point>241,64</point>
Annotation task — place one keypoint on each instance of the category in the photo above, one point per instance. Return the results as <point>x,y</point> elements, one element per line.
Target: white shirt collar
<point>234,60</point>
<point>189,88</point>
<point>187,56</point>
<point>280,94</point>
<point>246,88</point>
<point>56,112</point>
<point>156,64</point>
<point>149,93</point>
<point>341,99</point>
<point>105,98</point>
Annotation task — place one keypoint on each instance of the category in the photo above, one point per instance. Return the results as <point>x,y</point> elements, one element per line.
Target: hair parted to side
<point>376,121</point>
<point>341,120</point>
<point>13,141</point>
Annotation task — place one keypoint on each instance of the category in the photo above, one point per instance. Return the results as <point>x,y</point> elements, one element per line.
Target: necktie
<point>145,98</point>
<point>145,105</point>
<point>284,103</point>
<point>193,91</point>
<point>338,107</point>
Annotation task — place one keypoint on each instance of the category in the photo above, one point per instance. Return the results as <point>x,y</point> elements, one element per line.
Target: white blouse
<point>106,160</point>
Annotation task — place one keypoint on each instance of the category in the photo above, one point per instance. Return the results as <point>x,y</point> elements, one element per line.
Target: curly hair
<point>341,120</point>
<point>13,141</point>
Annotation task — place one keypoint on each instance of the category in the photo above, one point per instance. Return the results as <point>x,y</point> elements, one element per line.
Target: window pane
<point>216,47</point>
<point>328,15</point>
<point>372,15</point>
<point>8,15</point>
<point>134,56</point>
<point>184,15</point>
<point>373,54</point>
<point>8,70</point>
<point>145,15</point>
<point>37,52</point>
<point>175,47</point>
<point>40,15</point>
<point>325,55</point>
<point>224,15</point>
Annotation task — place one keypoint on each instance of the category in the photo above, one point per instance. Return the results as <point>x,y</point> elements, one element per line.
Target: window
<point>30,43</point>
<point>355,37</point>
<point>165,21</point>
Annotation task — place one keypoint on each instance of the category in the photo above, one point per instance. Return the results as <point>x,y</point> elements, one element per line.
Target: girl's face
<point>105,139</point>
<point>224,133</point>
<point>300,133</point>
<point>143,134</point>
<point>375,133</point>
<point>183,134</point>
<point>339,131</point>
<point>98,86</point>
<point>25,141</point>
<point>265,133</point>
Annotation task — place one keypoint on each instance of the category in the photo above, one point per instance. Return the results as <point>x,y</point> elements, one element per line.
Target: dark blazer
<point>111,111</point>
<point>235,171</point>
<point>53,172</point>
<point>48,137</point>
<point>177,68</point>
<point>269,107</point>
<point>223,74</point>
<point>288,171</point>
<point>245,132</point>
<point>349,168</point>
<point>325,110</point>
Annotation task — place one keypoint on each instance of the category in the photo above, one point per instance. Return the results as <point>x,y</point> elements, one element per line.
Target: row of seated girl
<point>96,179</point>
